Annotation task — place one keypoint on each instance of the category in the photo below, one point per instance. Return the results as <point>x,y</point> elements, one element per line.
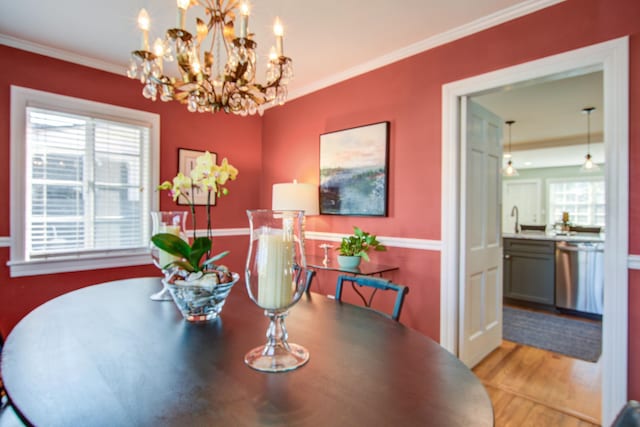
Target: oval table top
<point>108,355</point>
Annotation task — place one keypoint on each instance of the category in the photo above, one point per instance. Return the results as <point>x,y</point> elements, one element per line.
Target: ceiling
<point>550,128</point>
<point>329,41</point>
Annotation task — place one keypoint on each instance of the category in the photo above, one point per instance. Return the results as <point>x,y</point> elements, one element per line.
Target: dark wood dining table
<point>107,355</point>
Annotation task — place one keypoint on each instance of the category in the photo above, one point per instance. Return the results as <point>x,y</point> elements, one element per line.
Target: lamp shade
<point>296,196</point>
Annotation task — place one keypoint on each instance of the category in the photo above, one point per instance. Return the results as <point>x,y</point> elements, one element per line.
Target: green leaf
<point>200,246</point>
<point>184,265</point>
<point>216,258</point>
<point>359,244</point>
<point>171,244</point>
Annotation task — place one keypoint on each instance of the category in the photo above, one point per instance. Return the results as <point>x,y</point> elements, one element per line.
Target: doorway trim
<point>613,58</point>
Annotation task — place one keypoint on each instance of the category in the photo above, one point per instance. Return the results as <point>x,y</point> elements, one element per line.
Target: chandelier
<point>216,67</point>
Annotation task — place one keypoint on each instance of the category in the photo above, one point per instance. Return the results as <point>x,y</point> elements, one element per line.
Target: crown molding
<point>61,54</point>
<point>481,24</point>
<point>465,30</point>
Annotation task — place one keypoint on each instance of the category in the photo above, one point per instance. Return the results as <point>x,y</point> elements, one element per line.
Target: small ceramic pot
<point>350,262</point>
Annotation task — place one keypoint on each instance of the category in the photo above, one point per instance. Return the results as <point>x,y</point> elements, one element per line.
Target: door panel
<point>480,234</point>
<point>493,206</point>
<point>476,229</point>
<point>475,311</point>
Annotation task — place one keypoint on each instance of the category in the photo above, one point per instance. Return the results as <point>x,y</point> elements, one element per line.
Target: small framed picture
<point>354,171</point>
<point>186,163</point>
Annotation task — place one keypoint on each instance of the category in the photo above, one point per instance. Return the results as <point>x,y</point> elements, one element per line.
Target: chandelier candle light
<point>215,68</point>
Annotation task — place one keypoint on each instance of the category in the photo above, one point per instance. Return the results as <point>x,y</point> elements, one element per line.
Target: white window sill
<point>50,266</point>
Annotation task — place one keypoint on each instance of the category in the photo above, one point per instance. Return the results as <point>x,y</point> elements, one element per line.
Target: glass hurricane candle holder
<point>275,276</point>
<point>173,222</point>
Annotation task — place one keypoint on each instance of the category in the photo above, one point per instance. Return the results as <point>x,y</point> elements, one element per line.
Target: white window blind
<point>82,183</point>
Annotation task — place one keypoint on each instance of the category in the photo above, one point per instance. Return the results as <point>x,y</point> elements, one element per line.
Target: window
<point>584,199</point>
<point>83,175</point>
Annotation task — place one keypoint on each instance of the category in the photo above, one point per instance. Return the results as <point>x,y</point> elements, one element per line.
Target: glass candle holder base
<point>163,295</point>
<point>277,359</point>
<point>277,355</point>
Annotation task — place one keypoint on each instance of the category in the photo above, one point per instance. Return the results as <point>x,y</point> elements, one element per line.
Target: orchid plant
<point>211,179</point>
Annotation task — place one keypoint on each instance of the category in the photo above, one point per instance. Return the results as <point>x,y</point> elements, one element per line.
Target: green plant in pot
<point>197,285</point>
<point>354,248</point>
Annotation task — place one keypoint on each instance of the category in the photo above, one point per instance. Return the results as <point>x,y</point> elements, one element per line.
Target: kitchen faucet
<point>514,212</point>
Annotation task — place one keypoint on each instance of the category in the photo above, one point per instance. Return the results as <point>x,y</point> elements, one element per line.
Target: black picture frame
<point>186,163</point>
<point>354,171</point>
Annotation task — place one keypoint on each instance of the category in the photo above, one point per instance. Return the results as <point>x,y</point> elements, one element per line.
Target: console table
<point>365,268</point>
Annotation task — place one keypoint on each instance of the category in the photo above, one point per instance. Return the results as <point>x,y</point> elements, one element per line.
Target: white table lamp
<point>296,196</point>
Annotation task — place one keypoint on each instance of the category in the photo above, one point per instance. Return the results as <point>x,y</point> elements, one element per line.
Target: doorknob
<point>507,256</point>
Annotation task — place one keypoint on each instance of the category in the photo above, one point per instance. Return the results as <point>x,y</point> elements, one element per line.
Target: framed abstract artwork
<point>354,167</point>
<point>186,163</point>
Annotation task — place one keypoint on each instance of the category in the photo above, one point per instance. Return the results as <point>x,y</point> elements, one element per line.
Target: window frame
<point>20,264</point>
<point>550,181</point>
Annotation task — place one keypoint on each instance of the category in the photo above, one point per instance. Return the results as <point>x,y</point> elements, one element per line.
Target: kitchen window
<point>584,199</point>
<point>82,178</point>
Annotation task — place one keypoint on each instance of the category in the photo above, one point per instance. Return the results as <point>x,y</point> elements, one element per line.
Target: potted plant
<point>198,286</point>
<point>355,247</point>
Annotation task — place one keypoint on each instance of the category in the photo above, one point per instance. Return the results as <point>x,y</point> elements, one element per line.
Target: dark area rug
<point>576,338</point>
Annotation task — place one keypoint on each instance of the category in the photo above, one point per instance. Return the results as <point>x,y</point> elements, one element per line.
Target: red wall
<point>237,138</point>
<point>408,94</point>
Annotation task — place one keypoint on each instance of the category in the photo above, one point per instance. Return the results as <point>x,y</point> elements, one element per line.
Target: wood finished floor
<point>533,387</point>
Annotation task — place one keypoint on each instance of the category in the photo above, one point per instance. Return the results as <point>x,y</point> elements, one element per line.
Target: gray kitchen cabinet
<point>529,270</point>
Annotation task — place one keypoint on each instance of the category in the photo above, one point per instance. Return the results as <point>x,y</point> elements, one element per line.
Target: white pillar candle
<point>275,265</point>
<point>244,20</point>
<point>165,258</point>
<point>278,30</point>
<point>183,5</point>
<point>144,24</point>
<point>158,51</point>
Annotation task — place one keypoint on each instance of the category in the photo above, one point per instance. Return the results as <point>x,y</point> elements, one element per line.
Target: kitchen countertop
<point>541,235</point>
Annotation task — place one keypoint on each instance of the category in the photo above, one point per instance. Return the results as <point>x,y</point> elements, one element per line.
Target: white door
<point>481,250</point>
<point>525,194</point>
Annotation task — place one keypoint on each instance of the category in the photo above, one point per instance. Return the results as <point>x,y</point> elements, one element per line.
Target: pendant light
<point>509,170</point>
<point>588,165</point>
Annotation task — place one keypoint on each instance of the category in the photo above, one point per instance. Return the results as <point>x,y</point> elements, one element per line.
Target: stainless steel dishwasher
<point>580,276</point>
